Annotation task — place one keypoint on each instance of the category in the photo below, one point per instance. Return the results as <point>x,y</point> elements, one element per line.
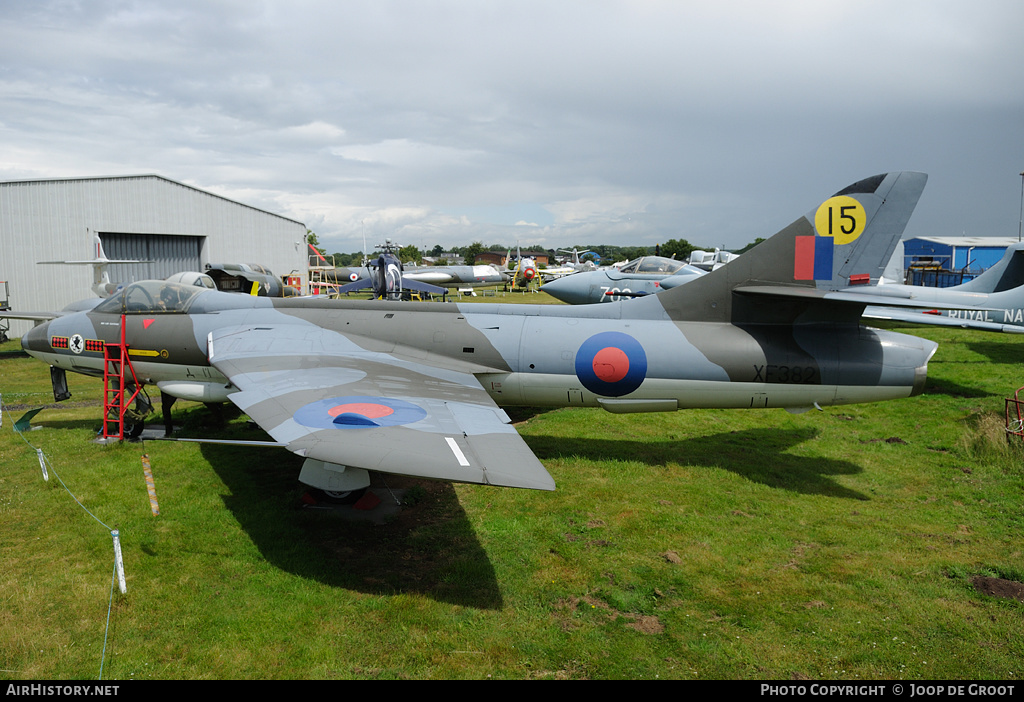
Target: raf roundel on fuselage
<point>611,364</point>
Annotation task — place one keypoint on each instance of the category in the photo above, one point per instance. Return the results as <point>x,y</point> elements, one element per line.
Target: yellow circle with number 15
<point>841,218</point>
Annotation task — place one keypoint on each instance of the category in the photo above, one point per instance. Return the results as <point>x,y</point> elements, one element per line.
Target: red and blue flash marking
<point>358,411</point>
<point>813,258</point>
<point>611,364</point>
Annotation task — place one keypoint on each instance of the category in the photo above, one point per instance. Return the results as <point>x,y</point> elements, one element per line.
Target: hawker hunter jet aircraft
<point>416,388</point>
<point>642,276</point>
<point>994,301</point>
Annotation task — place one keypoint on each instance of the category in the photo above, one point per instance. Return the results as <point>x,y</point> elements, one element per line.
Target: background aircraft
<point>642,276</point>
<point>243,277</point>
<point>710,260</point>
<point>994,301</point>
<point>101,284</point>
<point>523,273</point>
<point>457,276</point>
<point>387,278</point>
<point>575,266</point>
<point>415,388</point>
<point>230,277</point>
<point>445,276</point>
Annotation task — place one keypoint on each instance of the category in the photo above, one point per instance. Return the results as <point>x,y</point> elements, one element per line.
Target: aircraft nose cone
<point>566,289</point>
<point>555,288</point>
<point>37,339</point>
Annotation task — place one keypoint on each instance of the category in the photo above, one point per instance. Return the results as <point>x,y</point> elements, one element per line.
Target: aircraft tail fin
<point>101,284</point>
<point>1007,274</point>
<point>100,256</point>
<point>847,240</point>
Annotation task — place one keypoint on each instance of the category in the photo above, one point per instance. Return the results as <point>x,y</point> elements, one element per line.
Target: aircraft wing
<point>421,286</point>
<point>846,296</point>
<point>553,273</point>
<point>326,397</point>
<point>900,309</point>
<point>931,319</point>
<point>31,316</point>
<point>428,275</point>
<point>360,284</point>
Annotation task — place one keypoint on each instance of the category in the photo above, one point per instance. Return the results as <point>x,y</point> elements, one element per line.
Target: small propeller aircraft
<point>387,278</point>
<point>416,388</point>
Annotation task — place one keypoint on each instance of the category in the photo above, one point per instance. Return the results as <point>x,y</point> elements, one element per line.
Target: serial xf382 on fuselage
<point>416,388</point>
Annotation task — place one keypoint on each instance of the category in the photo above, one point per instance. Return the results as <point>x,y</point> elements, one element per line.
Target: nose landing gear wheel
<point>348,497</point>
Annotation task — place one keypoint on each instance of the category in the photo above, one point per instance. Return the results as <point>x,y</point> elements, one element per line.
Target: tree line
<point>673,248</point>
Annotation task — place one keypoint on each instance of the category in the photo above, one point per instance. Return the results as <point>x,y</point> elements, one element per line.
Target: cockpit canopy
<point>150,297</point>
<point>653,265</point>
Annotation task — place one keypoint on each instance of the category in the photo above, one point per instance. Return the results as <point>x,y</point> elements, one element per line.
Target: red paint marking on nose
<point>147,322</point>
<point>610,364</point>
<point>366,409</point>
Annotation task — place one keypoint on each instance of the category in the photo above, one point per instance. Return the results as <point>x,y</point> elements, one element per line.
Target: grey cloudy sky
<point>556,122</point>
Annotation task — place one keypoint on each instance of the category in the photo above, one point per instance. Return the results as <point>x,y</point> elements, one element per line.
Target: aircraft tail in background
<point>101,284</point>
<point>1007,274</point>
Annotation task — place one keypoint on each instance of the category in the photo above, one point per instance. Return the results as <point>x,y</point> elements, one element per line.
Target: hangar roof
<point>144,176</point>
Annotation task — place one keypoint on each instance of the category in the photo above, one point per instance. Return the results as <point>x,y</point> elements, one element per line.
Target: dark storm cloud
<point>439,122</point>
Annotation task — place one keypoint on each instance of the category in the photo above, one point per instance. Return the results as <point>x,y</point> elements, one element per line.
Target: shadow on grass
<point>759,455</point>
<point>997,351</point>
<point>93,424</point>
<point>429,549</point>
<point>938,385</point>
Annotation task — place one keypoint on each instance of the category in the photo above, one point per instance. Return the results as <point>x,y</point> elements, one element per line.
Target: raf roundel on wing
<point>611,364</point>
<point>357,411</point>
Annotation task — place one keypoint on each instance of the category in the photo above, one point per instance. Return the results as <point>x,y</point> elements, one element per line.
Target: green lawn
<point>698,545</point>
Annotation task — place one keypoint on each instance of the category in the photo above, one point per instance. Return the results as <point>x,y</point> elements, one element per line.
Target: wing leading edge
<point>325,397</point>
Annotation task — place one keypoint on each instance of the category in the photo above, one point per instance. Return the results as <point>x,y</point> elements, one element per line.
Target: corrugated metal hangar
<point>144,217</point>
<point>972,253</point>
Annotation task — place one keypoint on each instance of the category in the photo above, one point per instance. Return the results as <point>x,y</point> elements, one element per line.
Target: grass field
<point>843,544</point>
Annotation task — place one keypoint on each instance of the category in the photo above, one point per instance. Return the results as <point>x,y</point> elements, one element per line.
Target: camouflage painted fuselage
<point>523,354</point>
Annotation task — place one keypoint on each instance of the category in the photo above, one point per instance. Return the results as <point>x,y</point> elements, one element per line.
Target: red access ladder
<point>115,365</point>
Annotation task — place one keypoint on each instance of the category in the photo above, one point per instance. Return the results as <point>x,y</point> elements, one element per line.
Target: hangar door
<point>169,254</point>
